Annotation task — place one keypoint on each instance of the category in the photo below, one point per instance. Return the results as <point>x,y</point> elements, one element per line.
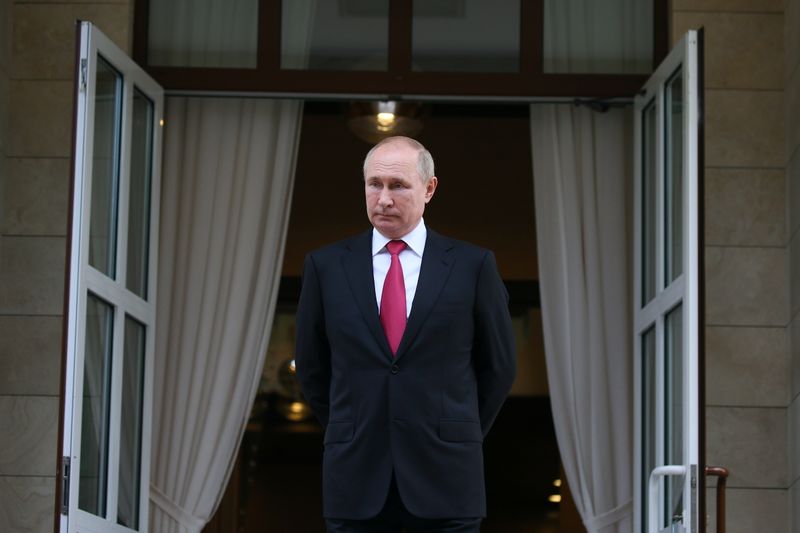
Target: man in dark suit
<point>405,353</point>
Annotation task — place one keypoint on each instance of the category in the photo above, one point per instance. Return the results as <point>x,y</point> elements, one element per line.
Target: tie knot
<point>395,247</point>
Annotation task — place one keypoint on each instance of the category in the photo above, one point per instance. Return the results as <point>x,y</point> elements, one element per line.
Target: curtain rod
<point>596,104</point>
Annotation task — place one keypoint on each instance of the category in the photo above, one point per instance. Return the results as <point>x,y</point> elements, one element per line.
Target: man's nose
<point>385,199</point>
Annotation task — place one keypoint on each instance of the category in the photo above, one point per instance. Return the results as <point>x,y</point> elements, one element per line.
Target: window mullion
<point>269,36</point>
<point>400,30</point>
<point>531,29</point>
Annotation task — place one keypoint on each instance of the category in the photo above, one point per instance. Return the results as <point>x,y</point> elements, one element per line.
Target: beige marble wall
<point>747,279</point>
<point>36,84</point>
<point>792,112</point>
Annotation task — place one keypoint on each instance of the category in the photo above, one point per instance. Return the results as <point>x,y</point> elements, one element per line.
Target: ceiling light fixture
<point>374,121</point>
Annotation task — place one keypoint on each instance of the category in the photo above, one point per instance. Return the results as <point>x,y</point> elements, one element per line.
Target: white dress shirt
<point>410,260</point>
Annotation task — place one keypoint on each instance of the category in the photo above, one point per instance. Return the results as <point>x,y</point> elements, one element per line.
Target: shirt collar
<point>415,239</point>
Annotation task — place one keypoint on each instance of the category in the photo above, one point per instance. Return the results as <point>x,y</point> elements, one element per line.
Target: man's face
<point>395,193</point>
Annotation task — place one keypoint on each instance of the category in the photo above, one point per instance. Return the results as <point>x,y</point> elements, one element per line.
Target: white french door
<point>666,316</point>
<point>112,282</point>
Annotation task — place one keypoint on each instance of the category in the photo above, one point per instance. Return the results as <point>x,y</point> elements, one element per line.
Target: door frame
<point>691,282</point>
<point>700,255</point>
<point>90,42</point>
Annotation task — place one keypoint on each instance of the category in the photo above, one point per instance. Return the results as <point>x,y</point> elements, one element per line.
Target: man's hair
<point>424,158</point>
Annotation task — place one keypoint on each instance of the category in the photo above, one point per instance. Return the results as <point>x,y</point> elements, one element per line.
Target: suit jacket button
<point>395,369</point>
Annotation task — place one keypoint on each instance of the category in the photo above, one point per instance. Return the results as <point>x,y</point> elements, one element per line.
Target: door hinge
<point>65,471</point>
<point>84,70</point>
<point>693,497</point>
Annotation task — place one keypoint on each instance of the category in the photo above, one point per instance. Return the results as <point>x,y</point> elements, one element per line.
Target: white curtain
<point>297,22</point>
<point>227,185</point>
<point>588,36</point>
<point>203,33</point>
<point>223,33</point>
<point>581,167</point>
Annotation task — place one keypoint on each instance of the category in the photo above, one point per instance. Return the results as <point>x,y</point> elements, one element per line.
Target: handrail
<point>722,474</point>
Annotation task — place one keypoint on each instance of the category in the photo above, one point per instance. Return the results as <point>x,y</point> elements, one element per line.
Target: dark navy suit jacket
<point>423,413</point>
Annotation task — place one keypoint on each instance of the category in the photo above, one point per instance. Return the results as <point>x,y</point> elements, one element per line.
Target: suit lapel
<point>357,264</point>
<point>436,264</point>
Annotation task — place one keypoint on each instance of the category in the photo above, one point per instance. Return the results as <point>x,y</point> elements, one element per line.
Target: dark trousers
<point>395,518</point>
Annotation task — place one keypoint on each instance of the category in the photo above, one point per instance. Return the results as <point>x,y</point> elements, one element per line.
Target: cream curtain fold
<point>203,33</point>
<point>582,177</point>
<point>297,20</point>
<point>587,36</point>
<point>223,33</point>
<point>227,180</point>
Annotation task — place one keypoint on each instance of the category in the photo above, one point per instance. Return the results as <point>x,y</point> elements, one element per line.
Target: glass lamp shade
<point>374,121</point>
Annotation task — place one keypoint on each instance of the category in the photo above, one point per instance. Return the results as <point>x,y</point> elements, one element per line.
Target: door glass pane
<point>96,400</point>
<point>203,33</point>
<point>139,195</point>
<point>608,37</point>
<point>130,446</point>
<point>648,354</point>
<point>343,35</point>
<point>673,410</point>
<point>673,178</point>
<point>466,36</point>
<point>648,203</point>
<point>105,169</point>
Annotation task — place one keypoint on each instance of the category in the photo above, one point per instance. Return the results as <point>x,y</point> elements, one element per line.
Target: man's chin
<point>388,230</point>
<point>384,221</point>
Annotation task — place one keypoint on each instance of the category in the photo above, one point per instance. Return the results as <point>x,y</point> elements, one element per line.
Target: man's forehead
<point>395,150</point>
<point>397,164</point>
<point>391,162</point>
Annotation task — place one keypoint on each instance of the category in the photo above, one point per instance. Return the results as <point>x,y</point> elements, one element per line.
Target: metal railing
<point>721,473</point>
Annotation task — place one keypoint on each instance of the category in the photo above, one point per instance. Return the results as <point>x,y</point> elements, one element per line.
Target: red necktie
<point>393,298</point>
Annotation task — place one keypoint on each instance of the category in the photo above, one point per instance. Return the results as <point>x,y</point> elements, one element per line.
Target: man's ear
<point>430,188</point>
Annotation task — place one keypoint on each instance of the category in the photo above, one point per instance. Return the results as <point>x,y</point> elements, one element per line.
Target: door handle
<point>722,478</point>
<point>652,492</point>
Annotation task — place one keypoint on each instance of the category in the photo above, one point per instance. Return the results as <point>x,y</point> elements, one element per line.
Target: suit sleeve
<point>313,355</point>
<point>494,352</point>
